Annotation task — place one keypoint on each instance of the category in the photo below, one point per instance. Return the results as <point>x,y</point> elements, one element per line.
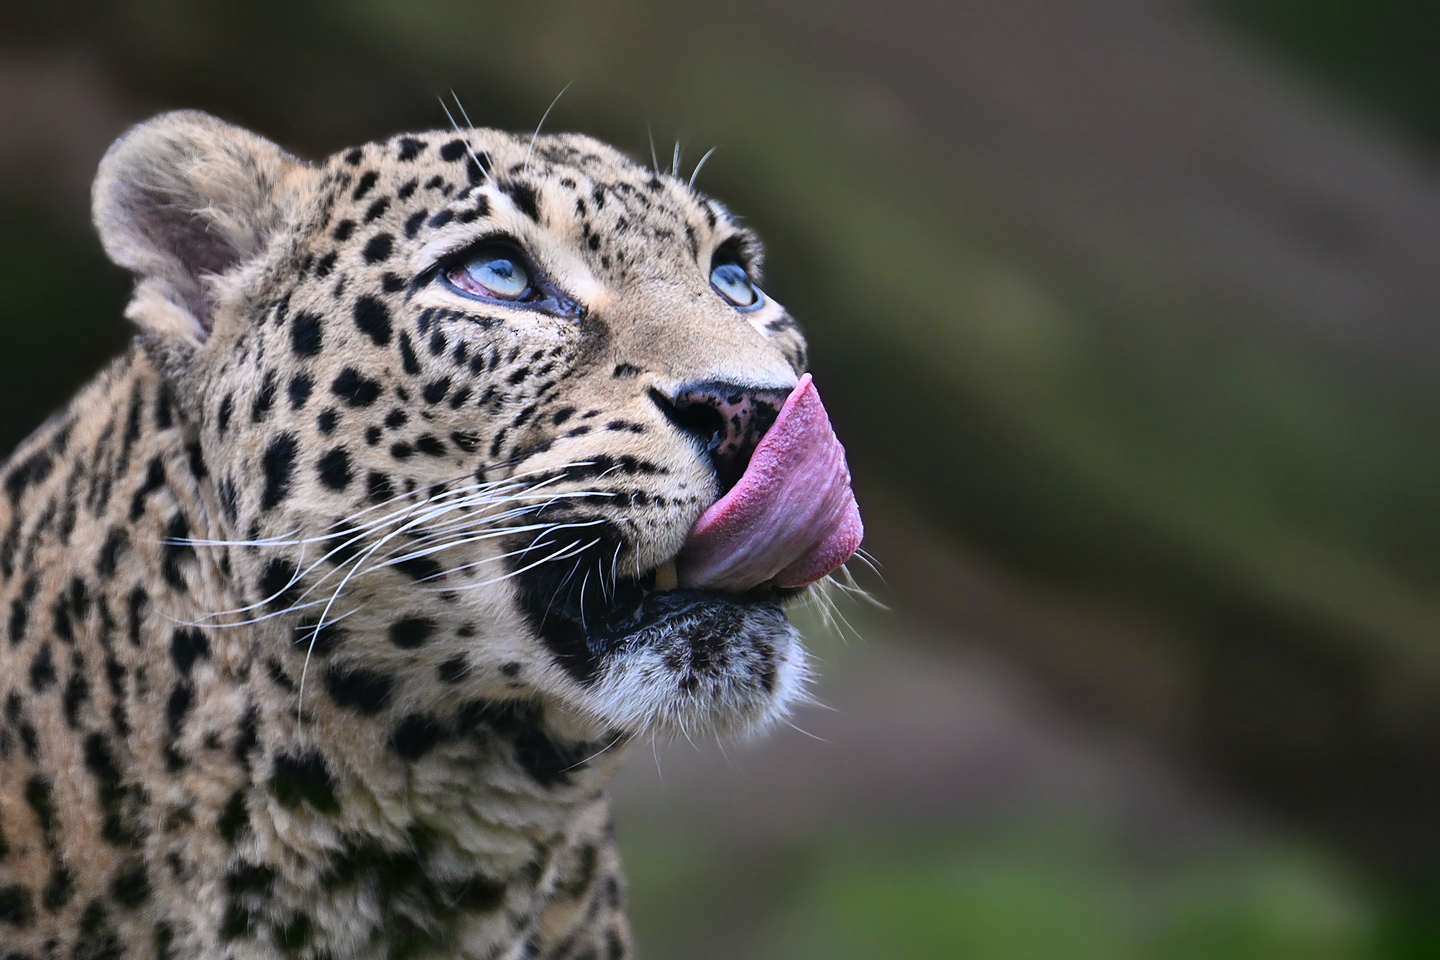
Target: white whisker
<point>696,171</point>
<point>536,135</point>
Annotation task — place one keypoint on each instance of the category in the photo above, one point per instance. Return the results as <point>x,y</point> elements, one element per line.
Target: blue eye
<point>498,275</point>
<point>733,283</point>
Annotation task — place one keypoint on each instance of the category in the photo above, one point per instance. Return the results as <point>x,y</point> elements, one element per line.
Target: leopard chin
<point>672,662</point>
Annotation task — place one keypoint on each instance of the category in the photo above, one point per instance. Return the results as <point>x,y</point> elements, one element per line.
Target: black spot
<point>435,391</point>
<point>235,818</point>
<point>318,639</point>
<point>416,736</point>
<point>131,886</point>
<point>419,568</point>
<point>300,387</point>
<point>402,451</point>
<point>367,180</point>
<point>253,877</point>
<point>42,670</point>
<point>248,737</point>
<point>278,464</point>
<point>163,404</point>
<point>430,445</point>
<point>411,632</point>
<point>77,691</point>
<point>524,197</point>
<point>407,355</point>
<point>453,151</point>
<point>396,419</point>
<point>294,933</point>
<point>264,399</point>
<point>198,469</point>
<point>181,699</point>
<point>454,670</point>
<point>278,584</point>
<point>372,317</point>
<point>165,939</point>
<point>623,370</point>
<point>17,907</point>
<point>372,435</point>
<point>59,890</point>
<point>353,158</point>
<point>325,264</point>
<point>410,149</point>
<point>400,876</point>
<point>187,646</point>
<point>278,676</point>
<point>326,421</point>
<point>378,488</point>
<point>137,603</point>
<point>413,222</point>
<point>304,778</point>
<point>176,551</point>
<point>154,480</point>
<point>442,218</point>
<point>522,724</point>
<point>343,230</point>
<point>38,797</point>
<point>334,469</point>
<point>358,689</point>
<point>227,408</point>
<point>238,922</point>
<point>378,249</point>
<point>19,614</point>
<point>28,473</point>
<point>355,389</point>
<point>391,283</point>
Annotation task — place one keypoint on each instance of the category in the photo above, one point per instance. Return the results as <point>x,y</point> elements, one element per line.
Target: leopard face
<point>463,395</point>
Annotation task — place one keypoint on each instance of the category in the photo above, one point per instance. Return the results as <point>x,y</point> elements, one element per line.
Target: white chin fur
<point>655,688</point>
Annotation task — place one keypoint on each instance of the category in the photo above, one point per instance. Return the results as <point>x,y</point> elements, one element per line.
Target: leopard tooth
<point>665,576</point>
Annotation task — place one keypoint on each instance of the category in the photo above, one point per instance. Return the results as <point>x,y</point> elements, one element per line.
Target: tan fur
<point>229,728</point>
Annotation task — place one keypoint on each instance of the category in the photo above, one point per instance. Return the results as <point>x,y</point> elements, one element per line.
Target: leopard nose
<point>727,419</point>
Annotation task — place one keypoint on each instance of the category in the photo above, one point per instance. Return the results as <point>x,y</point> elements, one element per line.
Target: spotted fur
<point>328,607</point>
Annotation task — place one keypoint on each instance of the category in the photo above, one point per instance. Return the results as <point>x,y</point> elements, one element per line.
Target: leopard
<point>333,603</point>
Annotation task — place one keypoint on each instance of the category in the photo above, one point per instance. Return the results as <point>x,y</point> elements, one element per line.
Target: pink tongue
<point>790,520</point>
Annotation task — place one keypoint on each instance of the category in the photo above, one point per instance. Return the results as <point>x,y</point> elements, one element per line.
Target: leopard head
<point>466,397</point>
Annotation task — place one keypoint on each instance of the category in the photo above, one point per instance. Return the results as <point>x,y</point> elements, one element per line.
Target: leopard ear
<point>184,199</point>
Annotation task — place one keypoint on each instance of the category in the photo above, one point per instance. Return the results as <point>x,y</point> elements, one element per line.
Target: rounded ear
<point>183,198</point>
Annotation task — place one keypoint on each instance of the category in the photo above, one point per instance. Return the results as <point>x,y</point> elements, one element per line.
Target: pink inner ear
<point>790,520</point>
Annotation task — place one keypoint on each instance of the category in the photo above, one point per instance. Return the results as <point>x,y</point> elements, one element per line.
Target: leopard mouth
<point>788,521</point>
<point>586,623</point>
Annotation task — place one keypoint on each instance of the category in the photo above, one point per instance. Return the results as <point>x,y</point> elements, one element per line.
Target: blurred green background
<point>1127,314</point>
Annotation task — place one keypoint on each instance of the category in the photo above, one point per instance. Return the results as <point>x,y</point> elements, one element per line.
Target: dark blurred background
<point>1126,311</point>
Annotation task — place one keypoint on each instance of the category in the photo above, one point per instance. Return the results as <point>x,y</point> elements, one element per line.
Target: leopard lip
<point>585,631</point>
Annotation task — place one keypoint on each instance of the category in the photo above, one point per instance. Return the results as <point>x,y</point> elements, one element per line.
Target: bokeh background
<point>1126,311</point>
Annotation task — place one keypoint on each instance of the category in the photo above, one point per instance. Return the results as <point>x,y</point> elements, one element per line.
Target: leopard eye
<point>496,274</point>
<point>733,283</point>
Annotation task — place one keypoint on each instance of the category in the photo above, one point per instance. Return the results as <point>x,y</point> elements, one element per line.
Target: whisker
<point>696,171</point>
<point>536,135</point>
<point>485,171</point>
